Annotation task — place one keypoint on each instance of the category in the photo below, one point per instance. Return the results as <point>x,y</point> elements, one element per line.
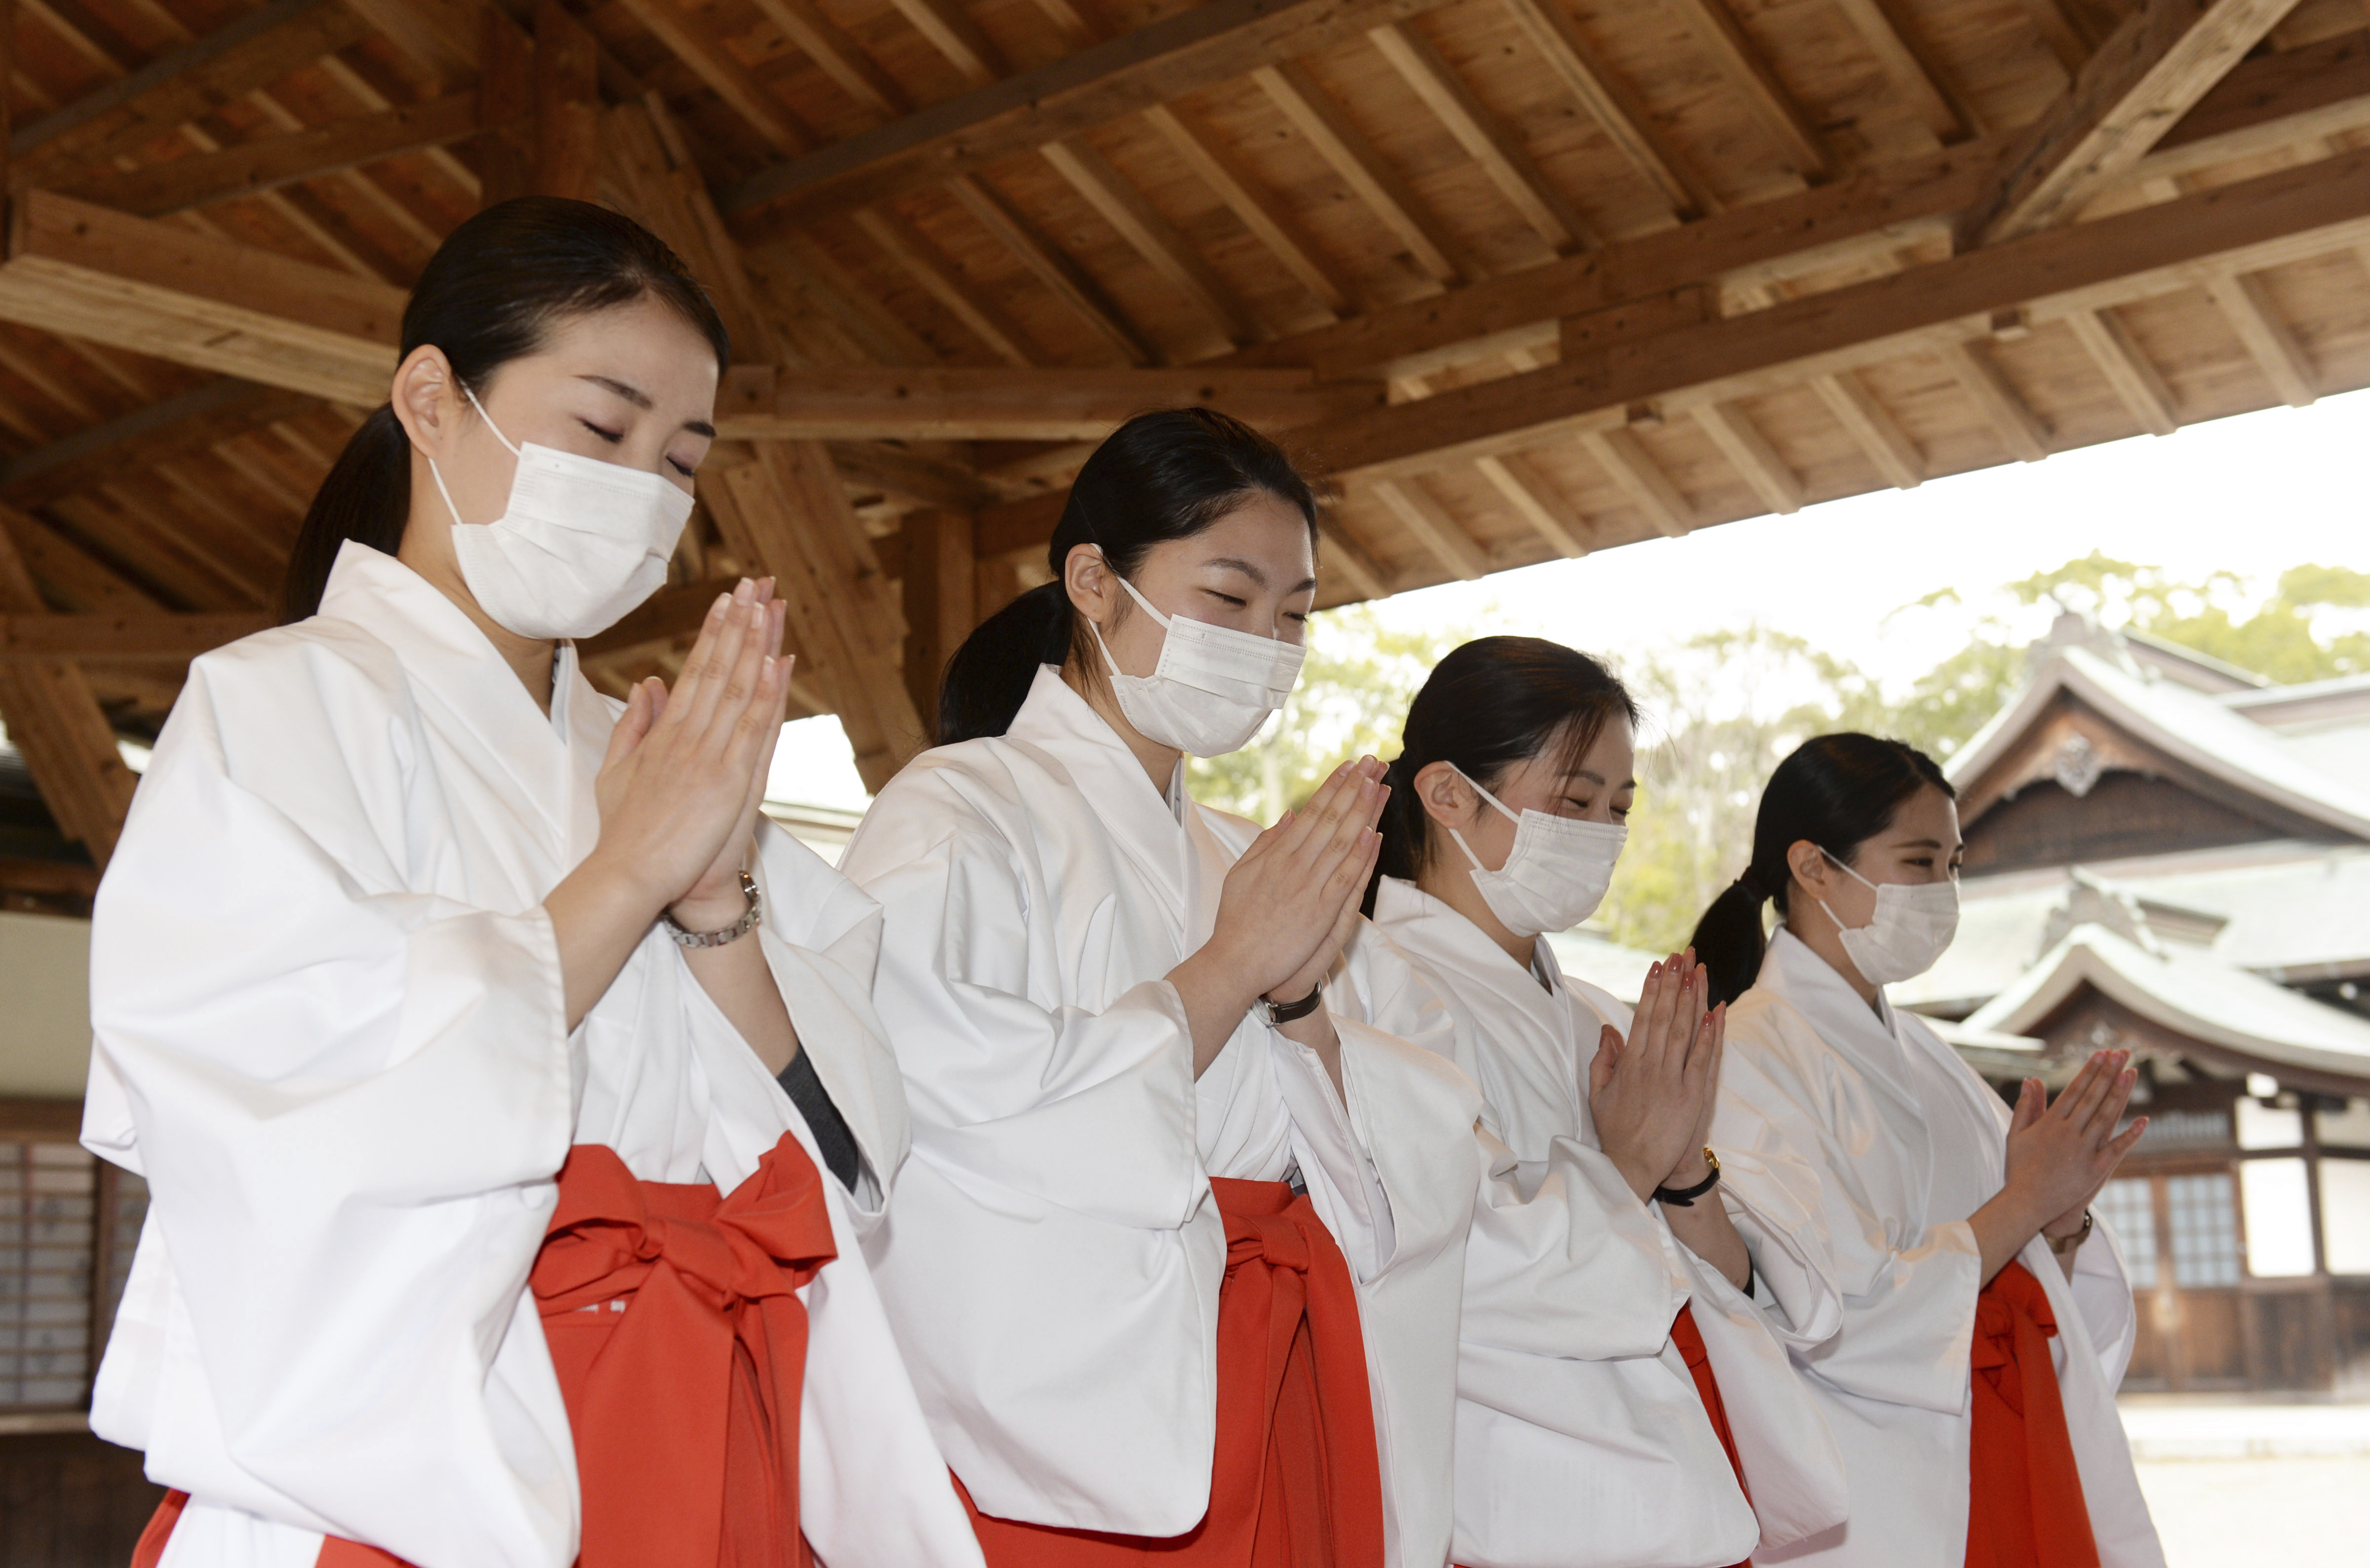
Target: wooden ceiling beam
<point>2136,381</point>
<point>248,168</point>
<point>2247,307</point>
<point>1731,430</point>
<point>1435,527</point>
<point>2249,226</point>
<point>691,41</point>
<point>124,638</point>
<point>1617,110</point>
<point>1630,466</point>
<point>1345,149</point>
<point>912,476</point>
<point>180,86</point>
<point>1872,429</point>
<point>837,55</point>
<point>1175,257</point>
<point>567,81</point>
<point>1051,266</point>
<point>950,404</point>
<point>1883,208</point>
<point>1337,550</point>
<point>2268,104</point>
<point>1537,503</point>
<point>1269,219</point>
<point>187,421</point>
<point>2167,56</point>
<point>56,724</point>
<point>164,291</point>
<point>1180,54</point>
<point>1921,79</point>
<point>71,578</point>
<point>2022,432</point>
<point>1716,29</point>
<point>927,265</point>
<point>953,33</point>
<point>1485,140</point>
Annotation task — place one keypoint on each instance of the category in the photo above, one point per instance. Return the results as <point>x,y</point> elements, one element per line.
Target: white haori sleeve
<point>1009,1084</point>
<point>1346,1188</point>
<point>1793,1469</point>
<point>2102,1292</point>
<point>349,1100</point>
<point>1907,1289</point>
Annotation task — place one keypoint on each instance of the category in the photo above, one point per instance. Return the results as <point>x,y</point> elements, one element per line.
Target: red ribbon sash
<point>2025,1507</point>
<point>684,1403</point>
<point>1296,1480</point>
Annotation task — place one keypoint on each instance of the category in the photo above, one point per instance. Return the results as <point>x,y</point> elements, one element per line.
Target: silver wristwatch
<point>731,933</point>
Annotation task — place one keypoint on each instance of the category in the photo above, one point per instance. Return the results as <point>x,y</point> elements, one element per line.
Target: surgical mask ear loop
<point>1493,799</point>
<point>438,474</point>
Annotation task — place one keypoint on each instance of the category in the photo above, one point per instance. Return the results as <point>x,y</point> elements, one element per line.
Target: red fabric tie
<point>685,1405</point>
<point>1296,1482</point>
<point>1689,1339</point>
<point>2025,1507</point>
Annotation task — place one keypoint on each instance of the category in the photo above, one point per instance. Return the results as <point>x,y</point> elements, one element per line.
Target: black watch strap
<point>1685,1197</point>
<point>1287,1012</point>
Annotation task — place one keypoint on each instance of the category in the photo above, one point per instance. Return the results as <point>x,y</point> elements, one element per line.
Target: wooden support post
<point>941,596</point>
<point>787,510</point>
<point>56,725</point>
<point>567,105</point>
<point>506,84</point>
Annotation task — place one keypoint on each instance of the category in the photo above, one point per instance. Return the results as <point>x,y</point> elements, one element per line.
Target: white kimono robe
<point>1593,1449</point>
<point>1053,1256</point>
<point>1906,1143</point>
<point>330,1032</point>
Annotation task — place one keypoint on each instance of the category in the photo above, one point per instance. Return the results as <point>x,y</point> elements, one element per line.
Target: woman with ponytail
<point>1959,1233</point>
<point>483,1047</point>
<point>1652,1368</point>
<point>1177,1260</point>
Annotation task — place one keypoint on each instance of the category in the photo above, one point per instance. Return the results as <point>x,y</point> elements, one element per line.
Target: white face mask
<point>1913,924</point>
<point>581,542</point>
<point>1212,687</point>
<point>1555,874</point>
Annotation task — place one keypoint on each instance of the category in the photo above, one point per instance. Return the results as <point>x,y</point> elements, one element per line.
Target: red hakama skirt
<point>681,1351</point>
<point>2025,1507</point>
<point>1296,1482</point>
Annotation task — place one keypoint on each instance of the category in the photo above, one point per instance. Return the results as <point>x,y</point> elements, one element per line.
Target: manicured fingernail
<point>744,590</point>
<point>717,608</point>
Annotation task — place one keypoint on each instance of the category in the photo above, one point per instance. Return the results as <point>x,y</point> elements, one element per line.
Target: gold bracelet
<point>2061,1245</point>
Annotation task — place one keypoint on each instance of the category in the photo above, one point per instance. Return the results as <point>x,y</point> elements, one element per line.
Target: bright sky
<point>2252,495</point>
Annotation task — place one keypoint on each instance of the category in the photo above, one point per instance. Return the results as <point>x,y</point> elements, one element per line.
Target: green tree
<point>1720,712</point>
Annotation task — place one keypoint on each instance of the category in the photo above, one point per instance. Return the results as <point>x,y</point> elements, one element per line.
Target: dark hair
<point>492,292</point>
<point>1487,708</point>
<point>1838,791</point>
<point>1159,477</point>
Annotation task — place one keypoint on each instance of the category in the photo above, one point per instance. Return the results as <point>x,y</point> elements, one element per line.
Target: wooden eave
<point>1526,277</point>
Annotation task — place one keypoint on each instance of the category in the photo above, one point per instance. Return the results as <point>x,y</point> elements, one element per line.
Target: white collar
<point>1432,929</point>
<point>1155,827</point>
<point>448,658</point>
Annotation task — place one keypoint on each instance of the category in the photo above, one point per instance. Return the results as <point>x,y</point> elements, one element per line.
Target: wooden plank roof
<point>1525,278</point>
